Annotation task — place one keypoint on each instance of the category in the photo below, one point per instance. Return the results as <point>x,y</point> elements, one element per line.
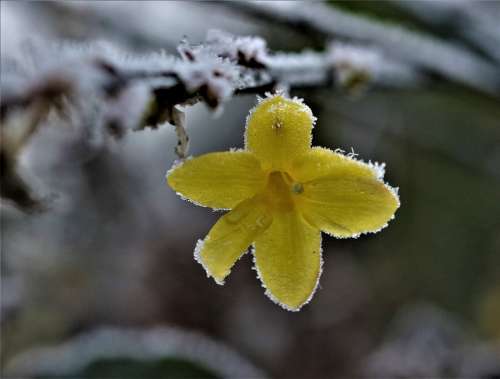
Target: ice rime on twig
<point>210,72</point>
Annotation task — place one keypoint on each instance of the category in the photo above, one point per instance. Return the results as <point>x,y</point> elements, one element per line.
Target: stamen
<point>297,188</point>
<point>277,124</point>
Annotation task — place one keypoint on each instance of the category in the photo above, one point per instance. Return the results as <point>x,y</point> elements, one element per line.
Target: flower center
<point>280,191</point>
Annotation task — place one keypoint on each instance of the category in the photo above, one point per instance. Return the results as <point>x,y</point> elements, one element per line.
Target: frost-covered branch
<point>107,92</point>
<point>451,61</point>
<point>211,72</point>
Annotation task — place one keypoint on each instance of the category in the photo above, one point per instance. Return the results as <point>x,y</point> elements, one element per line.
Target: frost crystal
<point>246,49</point>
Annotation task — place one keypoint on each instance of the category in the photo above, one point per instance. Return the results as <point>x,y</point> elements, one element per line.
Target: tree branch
<point>426,52</point>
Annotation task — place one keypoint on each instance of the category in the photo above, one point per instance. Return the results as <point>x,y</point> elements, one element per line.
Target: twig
<point>204,73</point>
<point>179,120</point>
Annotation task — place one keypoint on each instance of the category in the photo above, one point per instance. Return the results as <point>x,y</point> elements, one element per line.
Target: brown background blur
<point>115,249</point>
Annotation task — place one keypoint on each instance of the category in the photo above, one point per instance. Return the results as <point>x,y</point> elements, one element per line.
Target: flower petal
<point>288,260</point>
<point>319,162</point>
<point>279,129</point>
<point>346,197</point>
<point>218,180</point>
<point>230,237</point>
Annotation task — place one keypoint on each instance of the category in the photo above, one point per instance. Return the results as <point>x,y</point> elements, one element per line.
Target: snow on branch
<point>108,92</point>
<point>210,72</point>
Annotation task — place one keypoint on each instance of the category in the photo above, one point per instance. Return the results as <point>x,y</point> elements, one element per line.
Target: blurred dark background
<point>115,248</point>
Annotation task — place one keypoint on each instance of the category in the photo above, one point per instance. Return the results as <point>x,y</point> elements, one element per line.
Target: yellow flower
<point>282,193</point>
